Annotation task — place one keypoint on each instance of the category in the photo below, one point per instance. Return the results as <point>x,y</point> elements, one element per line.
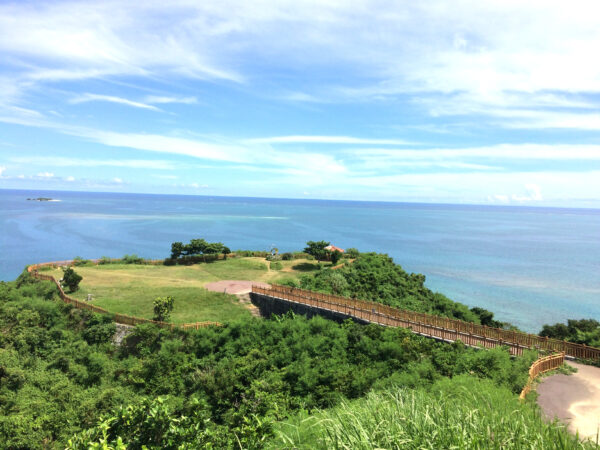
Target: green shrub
<point>79,261</point>
<point>105,260</point>
<point>351,253</point>
<point>276,265</point>
<point>132,259</point>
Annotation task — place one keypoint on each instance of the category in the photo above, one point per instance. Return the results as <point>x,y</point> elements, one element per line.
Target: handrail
<point>540,366</point>
<point>428,324</point>
<point>118,318</point>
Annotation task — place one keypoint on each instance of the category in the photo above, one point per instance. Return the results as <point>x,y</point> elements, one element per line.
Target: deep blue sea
<point>529,266</point>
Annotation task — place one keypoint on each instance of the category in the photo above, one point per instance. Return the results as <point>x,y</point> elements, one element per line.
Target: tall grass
<point>459,413</point>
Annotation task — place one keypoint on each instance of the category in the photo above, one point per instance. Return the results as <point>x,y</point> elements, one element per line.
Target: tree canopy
<point>198,247</point>
<point>71,279</point>
<point>317,249</point>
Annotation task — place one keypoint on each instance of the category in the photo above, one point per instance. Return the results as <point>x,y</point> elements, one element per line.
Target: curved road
<point>574,399</point>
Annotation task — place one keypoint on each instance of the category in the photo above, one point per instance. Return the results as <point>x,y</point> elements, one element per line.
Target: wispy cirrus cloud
<point>83,162</point>
<point>87,97</point>
<point>302,139</point>
<point>159,100</point>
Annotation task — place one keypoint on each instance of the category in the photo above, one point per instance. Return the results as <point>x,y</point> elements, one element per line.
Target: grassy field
<point>131,288</point>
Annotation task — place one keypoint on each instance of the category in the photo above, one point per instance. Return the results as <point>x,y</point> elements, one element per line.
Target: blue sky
<point>494,102</point>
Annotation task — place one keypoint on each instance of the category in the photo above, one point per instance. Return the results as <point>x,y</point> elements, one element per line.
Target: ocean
<point>530,266</point>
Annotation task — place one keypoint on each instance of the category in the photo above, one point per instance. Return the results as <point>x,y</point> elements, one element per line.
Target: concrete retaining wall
<point>270,305</point>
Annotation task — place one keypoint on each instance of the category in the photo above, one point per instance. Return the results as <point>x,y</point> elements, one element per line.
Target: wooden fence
<point>540,366</point>
<point>119,318</point>
<point>429,325</point>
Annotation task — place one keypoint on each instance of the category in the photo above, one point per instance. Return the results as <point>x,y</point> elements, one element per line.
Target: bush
<point>302,255</point>
<point>79,261</point>
<point>99,329</point>
<point>252,253</point>
<point>132,259</point>
<point>163,307</point>
<point>351,253</point>
<point>287,256</point>
<point>71,279</point>
<point>104,260</point>
<point>276,265</point>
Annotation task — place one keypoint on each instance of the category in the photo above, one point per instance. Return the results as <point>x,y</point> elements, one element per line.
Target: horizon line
<point>405,202</point>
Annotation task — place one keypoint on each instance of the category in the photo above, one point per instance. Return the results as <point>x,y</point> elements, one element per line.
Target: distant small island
<point>43,199</point>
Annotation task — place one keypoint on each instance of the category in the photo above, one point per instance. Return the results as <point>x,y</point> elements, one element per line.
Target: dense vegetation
<point>197,250</point>
<point>376,277</point>
<point>463,412</point>
<point>584,331</point>
<point>222,387</point>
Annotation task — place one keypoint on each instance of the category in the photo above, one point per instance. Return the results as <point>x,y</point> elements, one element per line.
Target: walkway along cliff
<point>279,299</point>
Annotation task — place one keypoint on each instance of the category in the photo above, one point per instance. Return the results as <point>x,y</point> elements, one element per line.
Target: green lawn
<point>131,288</point>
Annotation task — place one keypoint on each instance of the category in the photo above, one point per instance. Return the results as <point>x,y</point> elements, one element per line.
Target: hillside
<point>63,383</point>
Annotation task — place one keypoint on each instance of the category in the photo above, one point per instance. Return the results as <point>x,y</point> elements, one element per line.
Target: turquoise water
<point>529,266</point>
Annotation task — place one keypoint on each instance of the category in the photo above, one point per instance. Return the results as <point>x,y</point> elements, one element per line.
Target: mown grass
<point>131,288</point>
<point>461,413</point>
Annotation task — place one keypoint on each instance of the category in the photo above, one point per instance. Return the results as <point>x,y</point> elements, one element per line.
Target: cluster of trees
<point>583,331</point>
<point>61,378</point>
<point>320,253</point>
<point>376,277</point>
<point>197,247</point>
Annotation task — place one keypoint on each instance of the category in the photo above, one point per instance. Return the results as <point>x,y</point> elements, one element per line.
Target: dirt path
<point>574,399</point>
<point>241,289</point>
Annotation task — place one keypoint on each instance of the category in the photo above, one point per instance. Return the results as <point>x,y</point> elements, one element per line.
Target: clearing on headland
<point>131,288</point>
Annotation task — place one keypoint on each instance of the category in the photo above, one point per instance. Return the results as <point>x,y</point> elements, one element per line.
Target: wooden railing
<point>540,366</point>
<point>119,318</point>
<point>429,325</point>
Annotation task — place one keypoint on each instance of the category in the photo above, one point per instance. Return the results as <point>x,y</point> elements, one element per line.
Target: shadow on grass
<point>306,267</point>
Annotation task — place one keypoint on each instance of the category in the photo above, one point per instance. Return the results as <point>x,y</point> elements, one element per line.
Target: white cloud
<point>300,139</point>
<point>162,100</point>
<point>45,175</point>
<point>70,179</point>
<point>57,161</point>
<point>198,186</point>
<point>450,57</point>
<point>117,180</point>
<point>111,99</point>
<point>534,193</point>
<point>500,198</point>
<point>2,169</point>
<point>561,152</point>
<point>228,151</point>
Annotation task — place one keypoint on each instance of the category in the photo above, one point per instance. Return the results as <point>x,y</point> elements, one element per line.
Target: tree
<point>163,307</point>
<point>177,249</point>
<point>317,249</point>
<point>70,279</point>
<point>335,256</point>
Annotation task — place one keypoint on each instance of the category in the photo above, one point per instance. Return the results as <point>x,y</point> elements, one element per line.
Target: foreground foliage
<point>463,412</point>
<point>376,277</point>
<point>222,387</point>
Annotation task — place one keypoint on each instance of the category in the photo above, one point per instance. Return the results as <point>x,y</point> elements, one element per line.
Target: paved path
<point>236,287</point>
<point>574,399</point>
